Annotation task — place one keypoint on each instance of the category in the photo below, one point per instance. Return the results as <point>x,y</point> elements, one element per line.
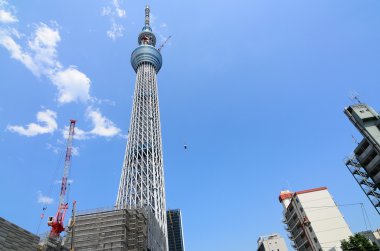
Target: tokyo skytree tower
<point>142,179</point>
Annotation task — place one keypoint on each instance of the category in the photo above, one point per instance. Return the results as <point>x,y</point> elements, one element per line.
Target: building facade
<point>142,180</point>
<point>313,220</point>
<point>273,242</point>
<point>364,163</point>
<point>175,230</point>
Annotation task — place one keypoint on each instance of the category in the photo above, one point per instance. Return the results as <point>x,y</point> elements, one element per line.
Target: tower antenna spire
<point>147,16</point>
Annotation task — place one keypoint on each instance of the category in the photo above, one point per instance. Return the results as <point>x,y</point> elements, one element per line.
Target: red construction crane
<point>57,222</point>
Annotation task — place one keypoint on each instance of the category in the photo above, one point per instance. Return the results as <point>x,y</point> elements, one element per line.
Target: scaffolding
<point>117,230</point>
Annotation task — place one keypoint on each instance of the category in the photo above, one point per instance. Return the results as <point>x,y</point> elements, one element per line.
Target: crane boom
<point>163,44</point>
<point>57,223</point>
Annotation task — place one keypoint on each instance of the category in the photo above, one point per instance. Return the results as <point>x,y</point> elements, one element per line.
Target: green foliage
<point>358,243</point>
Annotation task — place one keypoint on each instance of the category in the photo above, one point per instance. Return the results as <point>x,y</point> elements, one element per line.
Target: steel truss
<point>142,181</point>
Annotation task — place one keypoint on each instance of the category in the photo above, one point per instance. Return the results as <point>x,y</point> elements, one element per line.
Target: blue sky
<point>256,89</point>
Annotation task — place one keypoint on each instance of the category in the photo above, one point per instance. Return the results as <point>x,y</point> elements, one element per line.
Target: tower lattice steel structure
<point>142,179</point>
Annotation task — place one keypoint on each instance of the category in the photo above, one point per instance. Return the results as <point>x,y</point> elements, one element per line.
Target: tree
<point>358,243</point>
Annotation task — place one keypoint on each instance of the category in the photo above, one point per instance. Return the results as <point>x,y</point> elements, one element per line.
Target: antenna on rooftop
<point>354,96</point>
<point>355,140</point>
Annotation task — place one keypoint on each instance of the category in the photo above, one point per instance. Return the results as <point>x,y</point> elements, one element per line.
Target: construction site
<point>138,219</point>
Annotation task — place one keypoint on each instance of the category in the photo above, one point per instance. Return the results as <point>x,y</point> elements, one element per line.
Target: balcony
<point>289,213</point>
<point>292,223</point>
<point>297,231</point>
<point>300,240</point>
<point>291,237</point>
<point>373,167</point>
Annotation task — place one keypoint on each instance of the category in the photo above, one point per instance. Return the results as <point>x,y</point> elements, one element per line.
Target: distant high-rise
<point>313,220</point>
<point>142,178</point>
<point>175,230</point>
<point>273,242</point>
<point>364,164</point>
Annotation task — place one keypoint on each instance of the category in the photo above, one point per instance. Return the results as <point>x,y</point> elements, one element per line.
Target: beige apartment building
<point>313,220</point>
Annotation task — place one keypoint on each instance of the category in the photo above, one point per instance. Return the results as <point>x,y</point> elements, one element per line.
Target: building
<point>373,236</point>
<point>117,230</point>
<point>15,238</point>
<point>364,163</point>
<point>273,242</point>
<point>142,179</point>
<point>313,220</point>
<point>175,230</point>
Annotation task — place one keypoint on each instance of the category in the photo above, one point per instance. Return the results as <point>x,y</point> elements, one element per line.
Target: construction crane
<point>57,223</point>
<point>163,44</point>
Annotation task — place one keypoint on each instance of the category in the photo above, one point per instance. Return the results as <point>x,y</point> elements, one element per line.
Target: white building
<point>273,242</point>
<point>313,220</point>
<point>373,236</point>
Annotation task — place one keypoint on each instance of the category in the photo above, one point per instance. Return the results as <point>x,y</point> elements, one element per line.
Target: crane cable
<point>50,190</point>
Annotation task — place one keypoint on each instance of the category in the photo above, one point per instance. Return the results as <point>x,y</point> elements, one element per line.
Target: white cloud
<point>7,17</point>
<point>72,85</point>
<point>115,13</point>
<point>17,53</point>
<point>40,57</point>
<point>43,45</point>
<point>115,10</point>
<point>79,134</point>
<point>102,125</point>
<point>119,11</point>
<point>48,124</point>
<point>115,31</point>
<point>106,11</point>
<point>44,199</point>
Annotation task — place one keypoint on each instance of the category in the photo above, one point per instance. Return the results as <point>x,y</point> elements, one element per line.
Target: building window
<point>301,209</point>
<point>310,229</point>
<point>315,240</point>
<point>297,200</point>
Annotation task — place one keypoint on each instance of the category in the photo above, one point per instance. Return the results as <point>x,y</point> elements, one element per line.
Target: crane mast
<point>57,222</point>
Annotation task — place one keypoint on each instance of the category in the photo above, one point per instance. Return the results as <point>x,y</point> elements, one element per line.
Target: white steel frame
<point>142,181</point>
